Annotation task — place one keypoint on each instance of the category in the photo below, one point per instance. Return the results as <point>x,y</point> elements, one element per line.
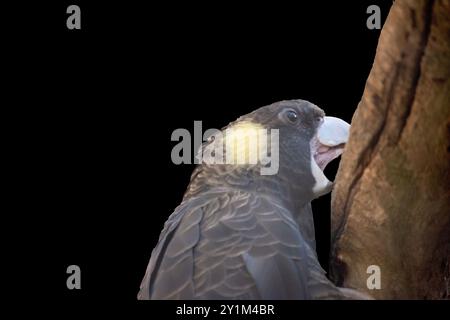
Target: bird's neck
<point>295,197</point>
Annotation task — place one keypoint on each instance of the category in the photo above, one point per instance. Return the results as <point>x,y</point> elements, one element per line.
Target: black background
<point>102,102</point>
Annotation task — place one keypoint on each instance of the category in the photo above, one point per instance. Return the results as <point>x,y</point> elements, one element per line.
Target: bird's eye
<point>319,119</point>
<point>292,116</point>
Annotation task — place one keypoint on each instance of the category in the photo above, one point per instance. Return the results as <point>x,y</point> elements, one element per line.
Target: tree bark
<point>391,201</point>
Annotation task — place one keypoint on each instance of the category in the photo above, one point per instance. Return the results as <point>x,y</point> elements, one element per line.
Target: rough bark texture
<point>391,202</point>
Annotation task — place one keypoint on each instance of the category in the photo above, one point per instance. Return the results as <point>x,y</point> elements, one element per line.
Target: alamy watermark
<point>374,280</point>
<point>74,19</point>
<point>245,143</point>
<point>74,279</point>
<point>374,20</point>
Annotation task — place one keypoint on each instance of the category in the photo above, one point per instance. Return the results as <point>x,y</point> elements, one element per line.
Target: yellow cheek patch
<point>243,142</point>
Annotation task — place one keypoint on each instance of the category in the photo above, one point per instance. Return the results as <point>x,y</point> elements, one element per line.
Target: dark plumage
<point>241,235</point>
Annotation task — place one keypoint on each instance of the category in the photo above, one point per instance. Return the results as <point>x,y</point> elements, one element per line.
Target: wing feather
<point>233,245</point>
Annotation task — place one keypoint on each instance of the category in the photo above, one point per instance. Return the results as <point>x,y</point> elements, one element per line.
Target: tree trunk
<point>391,201</point>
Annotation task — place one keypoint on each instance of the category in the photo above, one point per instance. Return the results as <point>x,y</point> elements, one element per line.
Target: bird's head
<point>300,141</point>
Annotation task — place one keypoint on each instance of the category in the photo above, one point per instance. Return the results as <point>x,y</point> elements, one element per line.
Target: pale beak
<point>332,136</point>
<point>328,144</point>
<point>333,132</point>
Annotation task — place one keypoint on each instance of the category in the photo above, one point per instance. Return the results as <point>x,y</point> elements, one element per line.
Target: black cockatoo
<point>240,234</point>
